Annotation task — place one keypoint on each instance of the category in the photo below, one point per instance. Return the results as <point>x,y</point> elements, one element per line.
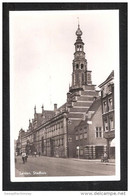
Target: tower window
<point>78,48</point>
<point>82,66</point>
<point>77,66</point>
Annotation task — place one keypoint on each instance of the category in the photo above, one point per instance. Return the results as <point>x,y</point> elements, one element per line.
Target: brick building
<point>90,143</point>
<point>52,133</point>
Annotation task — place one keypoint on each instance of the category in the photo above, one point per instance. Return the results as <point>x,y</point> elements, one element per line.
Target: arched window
<point>82,66</point>
<point>78,47</point>
<point>77,66</point>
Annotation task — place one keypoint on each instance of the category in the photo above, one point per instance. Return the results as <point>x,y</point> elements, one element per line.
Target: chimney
<point>42,109</point>
<point>55,107</point>
<point>35,109</point>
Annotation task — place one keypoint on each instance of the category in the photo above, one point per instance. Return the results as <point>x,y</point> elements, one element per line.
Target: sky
<point>41,55</point>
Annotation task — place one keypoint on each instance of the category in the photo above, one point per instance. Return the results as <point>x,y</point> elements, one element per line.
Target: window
<point>104,90</point>
<point>81,136</point>
<point>58,126</point>
<point>77,66</point>
<point>62,141</point>
<point>110,103</point>
<point>85,135</point>
<point>80,48</point>
<point>111,124</point>
<point>82,66</point>
<point>104,106</point>
<point>81,151</point>
<point>106,125</point>
<point>98,132</point>
<point>77,47</point>
<point>110,88</point>
<point>61,124</point>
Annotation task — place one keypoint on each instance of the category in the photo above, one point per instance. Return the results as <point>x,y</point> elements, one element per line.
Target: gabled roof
<point>95,105</point>
<point>62,107</point>
<point>82,122</point>
<point>47,115</point>
<point>111,76</point>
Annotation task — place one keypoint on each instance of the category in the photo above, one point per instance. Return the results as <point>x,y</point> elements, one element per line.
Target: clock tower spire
<point>80,75</point>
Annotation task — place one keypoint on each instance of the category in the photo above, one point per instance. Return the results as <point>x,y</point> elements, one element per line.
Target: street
<point>50,166</point>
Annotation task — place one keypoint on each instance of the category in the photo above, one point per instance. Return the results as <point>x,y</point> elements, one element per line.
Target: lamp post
<point>78,151</point>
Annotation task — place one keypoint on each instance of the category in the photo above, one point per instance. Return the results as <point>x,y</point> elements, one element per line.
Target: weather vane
<point>78,21</point>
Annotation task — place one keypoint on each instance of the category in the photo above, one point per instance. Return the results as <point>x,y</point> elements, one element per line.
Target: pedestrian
<point>39,154</point>
<point>35,153</point>
<point>23,156</point>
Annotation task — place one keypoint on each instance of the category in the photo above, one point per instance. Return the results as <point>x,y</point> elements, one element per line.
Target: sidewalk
<point>111,161</point>
<point>17,173</point>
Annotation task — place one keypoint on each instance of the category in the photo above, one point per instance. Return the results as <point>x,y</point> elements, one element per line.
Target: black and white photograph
<point>62,93</point>
<point>64,79</point>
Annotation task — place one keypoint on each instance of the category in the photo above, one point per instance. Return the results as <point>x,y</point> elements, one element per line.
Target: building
<point>90,143</point>
<point>108,117</point>
<point>19,142</point>
<point>52,133</point>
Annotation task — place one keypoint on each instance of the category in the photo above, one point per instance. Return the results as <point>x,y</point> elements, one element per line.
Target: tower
<point>80,75</point>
